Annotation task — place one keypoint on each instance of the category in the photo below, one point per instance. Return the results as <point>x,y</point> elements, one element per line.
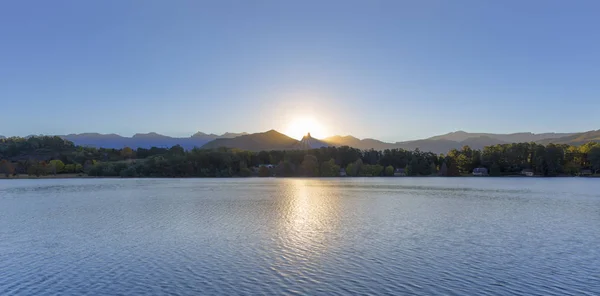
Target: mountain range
<point>447,142</point>
<point>274,140</point>
<point>144,140</point>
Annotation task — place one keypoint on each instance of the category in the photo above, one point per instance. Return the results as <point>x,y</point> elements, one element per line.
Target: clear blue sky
<point>393,70</point>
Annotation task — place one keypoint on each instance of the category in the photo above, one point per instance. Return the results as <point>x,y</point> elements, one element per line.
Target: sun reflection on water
<point>307,223</point>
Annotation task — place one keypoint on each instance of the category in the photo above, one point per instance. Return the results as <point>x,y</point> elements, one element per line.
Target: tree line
<point>53,155</point>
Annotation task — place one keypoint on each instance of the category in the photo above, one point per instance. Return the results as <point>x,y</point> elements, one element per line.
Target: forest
<point>47,155</point>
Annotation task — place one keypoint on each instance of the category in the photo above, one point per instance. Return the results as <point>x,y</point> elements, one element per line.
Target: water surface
<point>407,236</point>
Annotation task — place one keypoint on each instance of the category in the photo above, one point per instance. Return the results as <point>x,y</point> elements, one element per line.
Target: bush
<point>129,172</point>
<point>108,170</point>
<point>264,172</point>
<point>245,172</point>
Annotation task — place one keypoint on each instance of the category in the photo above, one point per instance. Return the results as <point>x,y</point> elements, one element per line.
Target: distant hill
<point>140,140</point>
<point>436,145</point>
<point>270,140</point>
<point>232,135</point>
<point>575,139</point>
<point>443,146</point>
<point>446,142</point>
<point>460,136</point>
<point>273,140</point>
<point>363,144</point>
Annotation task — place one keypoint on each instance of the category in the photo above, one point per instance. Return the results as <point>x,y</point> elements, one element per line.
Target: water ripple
<point>388,236</point>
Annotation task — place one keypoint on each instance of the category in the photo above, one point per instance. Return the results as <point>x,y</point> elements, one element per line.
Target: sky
<point>391,70</point>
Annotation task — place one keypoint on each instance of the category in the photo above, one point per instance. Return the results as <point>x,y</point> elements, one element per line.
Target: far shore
<point>58,176</point>
<point>84,176</point>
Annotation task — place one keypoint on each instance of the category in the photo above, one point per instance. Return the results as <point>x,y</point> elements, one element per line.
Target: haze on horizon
<point>390,70</point>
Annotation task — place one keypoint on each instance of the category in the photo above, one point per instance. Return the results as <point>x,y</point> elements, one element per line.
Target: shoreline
<point>81,176</point>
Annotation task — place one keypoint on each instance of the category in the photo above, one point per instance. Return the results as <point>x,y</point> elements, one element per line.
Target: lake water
<point>402,236</point>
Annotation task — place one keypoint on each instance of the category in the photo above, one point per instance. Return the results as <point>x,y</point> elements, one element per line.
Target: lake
<point>402,236</point>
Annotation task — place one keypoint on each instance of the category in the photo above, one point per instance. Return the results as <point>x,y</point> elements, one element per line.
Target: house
<point>342,172</point>
<point>480,172</point>
<point>400,173</point>
<point>585,172</point>
<point>268,166</point>
<point>527,172</point>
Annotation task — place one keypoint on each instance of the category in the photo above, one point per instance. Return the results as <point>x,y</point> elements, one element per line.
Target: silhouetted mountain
<point>460,136</point>
<point>270,140</point>
<point>443,146</point>
<point>445,143</point>
<point>575,139</point>
<point>275,140</point>
<point>363,144</point>
<point>142,140</point>
<point>232,135</point>
<point>439,145</point>
<point>98,140</point>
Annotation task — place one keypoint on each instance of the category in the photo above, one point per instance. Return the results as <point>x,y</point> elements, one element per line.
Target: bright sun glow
<point>299,127</point>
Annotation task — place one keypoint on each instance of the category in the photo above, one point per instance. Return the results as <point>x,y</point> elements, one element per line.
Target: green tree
<point>69,168</point>
<point>245,172</point>
<point>377,170</point>
<point>176,150</point>
<point>452,167</point>
<point>412,169</point>
<point>464,164</point>
<point>495,170</point>
<point>264,171</point>
<point>389,170</point>
<point>310,166</point>
<point>264,157</point>
<point>6,168</point>
<point>330,169</point>
<point>443,170</point>
<point>37,168</point>
<point>56,166</point>
<point>572,168</point>
<point>433,169</point>
<point>354,168</point>
<point>127,153</point>
<point>129,172</point>
<point>409,170</point>
<point>285,169</point>
<point>351,170</point>
<point>593,156</point>
<point>553,160</point>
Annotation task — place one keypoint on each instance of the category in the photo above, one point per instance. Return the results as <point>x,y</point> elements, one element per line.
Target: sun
<point>299,127</point>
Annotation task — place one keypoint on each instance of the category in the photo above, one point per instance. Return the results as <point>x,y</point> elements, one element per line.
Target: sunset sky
<point>391,70</point>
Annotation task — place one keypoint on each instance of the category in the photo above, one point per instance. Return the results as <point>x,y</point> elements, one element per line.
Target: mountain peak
<point>309,142</point>
<point>232,135</point>
<point>203,135</point>
<point>269,140</point>
<point>148,135</point>
<point>272,132</point>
